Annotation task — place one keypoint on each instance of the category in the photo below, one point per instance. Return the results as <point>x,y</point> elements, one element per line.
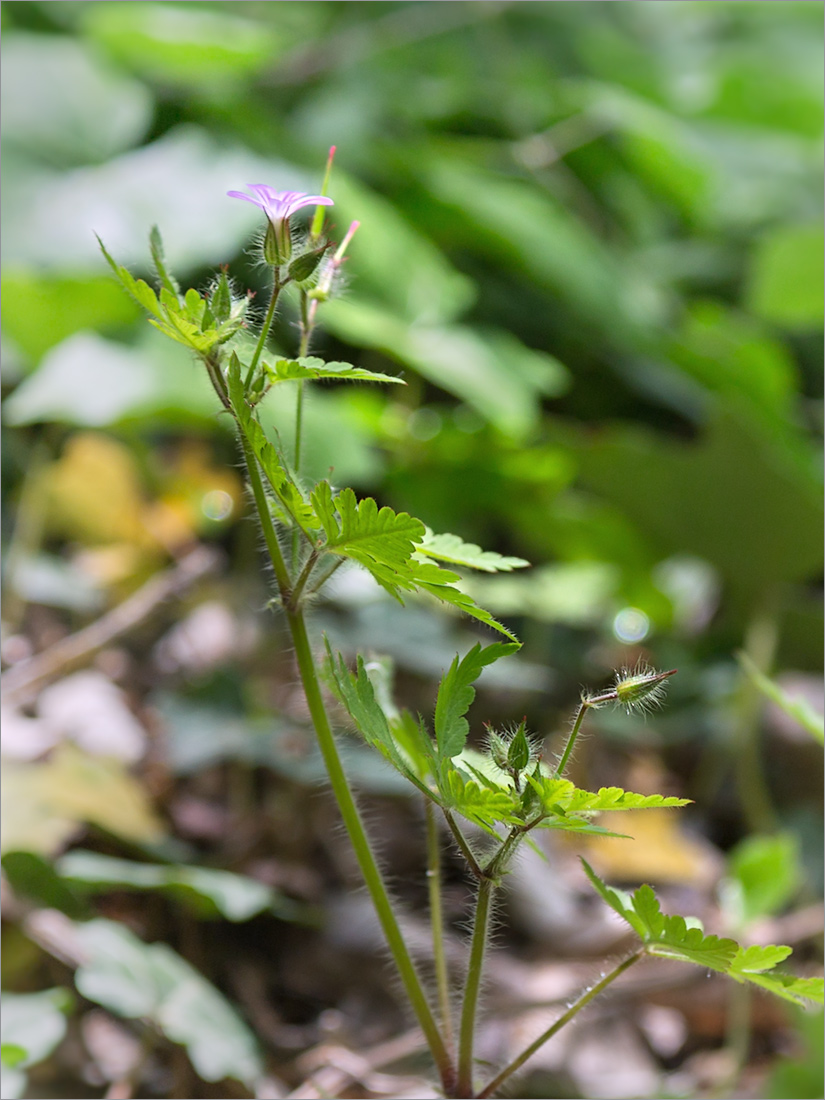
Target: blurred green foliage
<point>591,244</point>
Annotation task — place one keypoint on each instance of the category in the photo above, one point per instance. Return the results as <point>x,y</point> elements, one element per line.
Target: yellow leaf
<point>44,802</point>
<point>661,850</point>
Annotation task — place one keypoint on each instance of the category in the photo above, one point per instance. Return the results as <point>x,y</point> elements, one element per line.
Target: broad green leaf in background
<point>41,310</point>
<point>525,227</point>
<point>492,371</point>
<point>801,1074</point>
<point>31,1026</point>
<point>210,892</point>
<point>135,979</point>
<point>175,44</point>
<point>785,282</point>
<point>732,488</point>
<point>33,877</point>
<point>178,182</point>
<point>65,105</point>
<point>90,381</point>
<point>730,354</point>
<point>764,873</point>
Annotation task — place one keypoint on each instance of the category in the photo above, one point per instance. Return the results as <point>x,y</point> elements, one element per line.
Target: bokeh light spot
<point>631,625</point>
<point>217,505</point>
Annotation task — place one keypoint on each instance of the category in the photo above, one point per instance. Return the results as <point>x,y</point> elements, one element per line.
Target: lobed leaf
<point>310,368</point>
<point>137,288</point>
<point>479,804</point>
<point>362,531</point>
<point>560,796</point>
<point>452,549</point>
<point>675,937</point>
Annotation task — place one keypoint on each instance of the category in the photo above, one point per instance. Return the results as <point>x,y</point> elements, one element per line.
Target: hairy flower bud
<point>641,688</point>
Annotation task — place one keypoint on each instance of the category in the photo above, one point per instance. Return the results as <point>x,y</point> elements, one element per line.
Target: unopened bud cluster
<point>512,751</point>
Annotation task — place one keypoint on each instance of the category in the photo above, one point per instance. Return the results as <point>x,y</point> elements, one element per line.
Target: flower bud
<point>641,688</point>
<point>305,265</point>
<point>518,754</point>
<point>220,301</point>
<point>498,750</point>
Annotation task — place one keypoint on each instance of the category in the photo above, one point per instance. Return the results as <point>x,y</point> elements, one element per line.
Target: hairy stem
<point>478,946</point>
<point>442,977</point>
<point>464,847</point>
<point>340,786</point>
<point>576,1007</point>
<point>267,325</point>
<point>571,740</point>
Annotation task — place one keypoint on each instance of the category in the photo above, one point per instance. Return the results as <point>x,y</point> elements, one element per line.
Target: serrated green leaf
<point>357,695</point>
<point>362,531</point>
<point>383,541</point>
<point>452,549</point>
<point>456,694</point>
<point>674,937</point>
<point>290,507</point>
<point>752,960</point>
<point>479,804</point>
<point>427,577</point>
<point>618,900</point>
<point>139,290</point>
<point>796,990</point>
<point>310,368</point>
<point>561,796</point>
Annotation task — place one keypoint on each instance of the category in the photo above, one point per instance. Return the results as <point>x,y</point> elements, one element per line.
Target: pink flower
<point>279,206</point>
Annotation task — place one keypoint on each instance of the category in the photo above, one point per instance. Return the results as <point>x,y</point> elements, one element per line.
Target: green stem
<point>464,847</point>
<point>760,642</point>
<point>494,1085</point>
<point>343,794</point>
<point>481,928</point>
<point>300,584</point>
<point>442,977</point>
<point>259,347</point>
<point>319,582</point>
<point>571,740</point>
<point>363,851</point>
<point>306,333</point>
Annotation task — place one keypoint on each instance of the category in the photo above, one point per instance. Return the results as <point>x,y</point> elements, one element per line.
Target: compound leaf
<point>676,937</point>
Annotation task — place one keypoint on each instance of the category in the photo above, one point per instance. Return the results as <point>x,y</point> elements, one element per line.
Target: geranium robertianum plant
<point>310,529</point>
